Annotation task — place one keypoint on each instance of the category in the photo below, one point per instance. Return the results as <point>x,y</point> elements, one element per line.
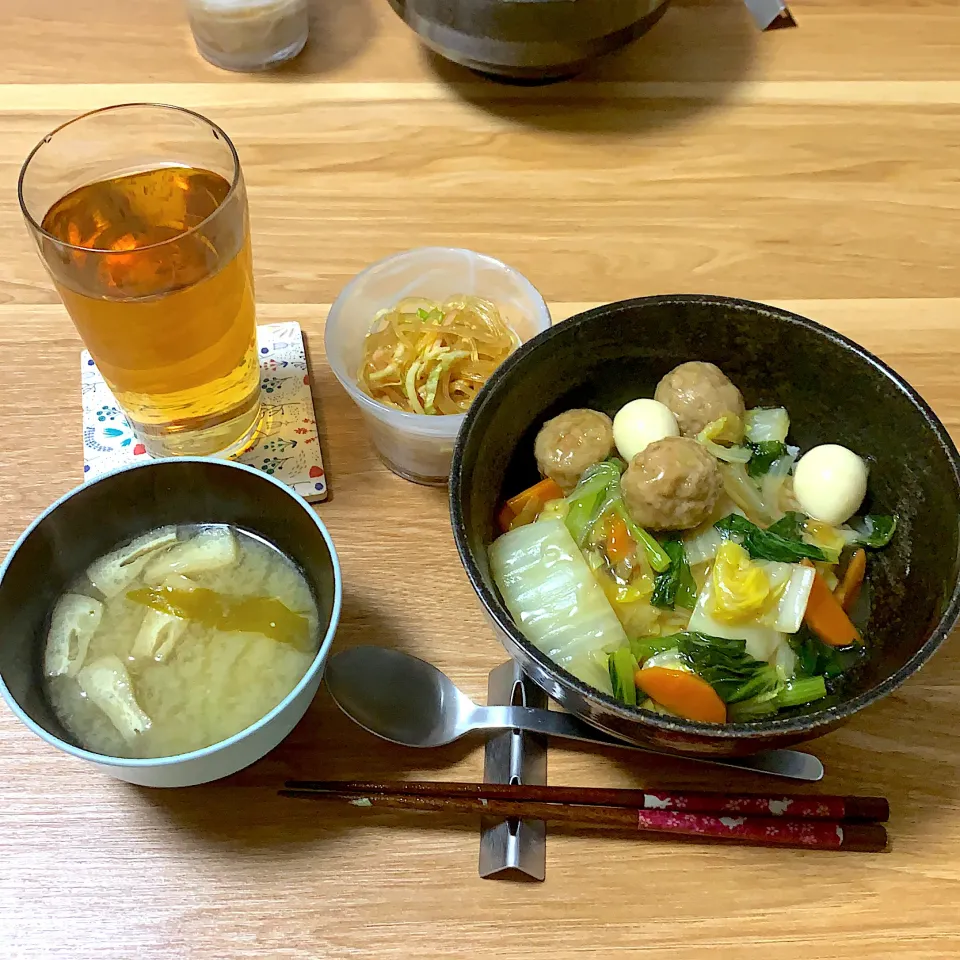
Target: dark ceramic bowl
<point>834,390</point>
<point>531,41</point>
<point>92,519</point>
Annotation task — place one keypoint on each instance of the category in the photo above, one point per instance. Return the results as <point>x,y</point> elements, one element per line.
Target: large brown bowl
<point>834,390</point>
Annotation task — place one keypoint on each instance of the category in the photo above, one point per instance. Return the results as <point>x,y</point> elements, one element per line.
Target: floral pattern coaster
<point>287,448</point>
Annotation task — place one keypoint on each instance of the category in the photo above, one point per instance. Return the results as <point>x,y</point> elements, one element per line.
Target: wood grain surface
<point>815,168</point>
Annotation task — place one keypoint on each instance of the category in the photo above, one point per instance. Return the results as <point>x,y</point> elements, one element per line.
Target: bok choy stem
<point>585,512</point>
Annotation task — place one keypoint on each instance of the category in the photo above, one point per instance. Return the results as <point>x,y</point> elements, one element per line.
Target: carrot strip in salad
<point>682,693</point>
<point>826,617</point>
<point>849,588</point>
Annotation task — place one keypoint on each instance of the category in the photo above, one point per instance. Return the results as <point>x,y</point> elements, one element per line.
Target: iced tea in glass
<point>140,216</point>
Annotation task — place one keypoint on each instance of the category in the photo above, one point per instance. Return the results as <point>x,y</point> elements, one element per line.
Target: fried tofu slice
<point>209,550</point>
<point>115,572</point>
<point>74,622</point>
<point>107,684</point>
<point>158,635</point>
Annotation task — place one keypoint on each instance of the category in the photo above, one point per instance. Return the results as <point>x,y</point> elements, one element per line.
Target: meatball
<point>699,393</point>
<point>568,444</point>
<point>673,484</point>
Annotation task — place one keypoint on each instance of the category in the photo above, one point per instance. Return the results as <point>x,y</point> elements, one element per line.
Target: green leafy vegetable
<point>765,454</point>
<point>807,648</point>
<point>724,664</point>
<point>753,709</point>
<point>751,687</point>
<point>658,557</point>
<point>795,693</point>
<point>602,483</point>
<point>687,590</point>
<point>675,586</point>
<point>579,514</point>
<point>875,530</point>
<point>768,544</point>
<point>643,648</point>
<point>815,658</point>
<point>790,693</point>
<point>790,525</point>
<point>609,469</point>
<point>621,665</point>
<point>585,499</point>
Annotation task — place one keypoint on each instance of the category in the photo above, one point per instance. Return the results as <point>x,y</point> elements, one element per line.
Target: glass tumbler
<point>139,213</point>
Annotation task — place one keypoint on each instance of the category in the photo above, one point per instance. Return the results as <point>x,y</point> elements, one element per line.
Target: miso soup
<point>177,640</point>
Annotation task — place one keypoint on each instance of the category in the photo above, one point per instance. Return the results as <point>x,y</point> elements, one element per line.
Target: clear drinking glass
<point>139,213</point>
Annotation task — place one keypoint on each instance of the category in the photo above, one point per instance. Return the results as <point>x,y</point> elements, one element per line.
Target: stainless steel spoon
<point>410,702</point>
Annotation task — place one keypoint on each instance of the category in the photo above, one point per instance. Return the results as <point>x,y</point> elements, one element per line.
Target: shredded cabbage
<point>762,425</point>
<point>744,493</point>
<point>828,538</point>
<point>701,545</point>
<point>785,660</point>
<point>761,639</point>
<point>720,430</point>
<point>671,659</point>
<point>793,599</point>
<point>741,589</point>
<point>432,358</point>
<point>772,486</point>
<point>766,503</point>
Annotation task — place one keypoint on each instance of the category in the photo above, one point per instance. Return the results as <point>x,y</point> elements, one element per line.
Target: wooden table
<point>817,168</point>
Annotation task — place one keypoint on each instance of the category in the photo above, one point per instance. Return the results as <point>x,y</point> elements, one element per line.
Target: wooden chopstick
<point>812,834</point>
<point>795,806</point>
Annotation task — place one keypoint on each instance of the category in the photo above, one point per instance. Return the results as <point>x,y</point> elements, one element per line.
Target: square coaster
<point>287,447</point>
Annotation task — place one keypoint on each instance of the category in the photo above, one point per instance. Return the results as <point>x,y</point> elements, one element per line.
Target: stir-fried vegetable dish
<point>684,557</point>
<point>432,358</point>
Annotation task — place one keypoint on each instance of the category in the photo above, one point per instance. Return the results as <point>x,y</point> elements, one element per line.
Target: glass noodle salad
<point>432,358</point>
<point>684,558</point>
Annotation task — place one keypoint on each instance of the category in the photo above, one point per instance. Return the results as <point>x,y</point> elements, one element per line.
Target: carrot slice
<point>543,491</point>
<point>683,693</point>
<point>526,506</point>
<point>827,618</point>
<point>620,544</point>
<point>505,518</point>
<point>849,588</point>
<point>528,513</point>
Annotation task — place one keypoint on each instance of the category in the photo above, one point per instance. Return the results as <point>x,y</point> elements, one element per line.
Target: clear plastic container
<point>249,35</point>
<point>416,446</point>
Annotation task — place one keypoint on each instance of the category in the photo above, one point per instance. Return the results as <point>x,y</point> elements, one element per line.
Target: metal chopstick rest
<point>514,849</point>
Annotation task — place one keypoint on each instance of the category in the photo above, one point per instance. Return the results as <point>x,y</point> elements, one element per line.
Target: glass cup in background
<point>249,35</point>
<point>139,213</point>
